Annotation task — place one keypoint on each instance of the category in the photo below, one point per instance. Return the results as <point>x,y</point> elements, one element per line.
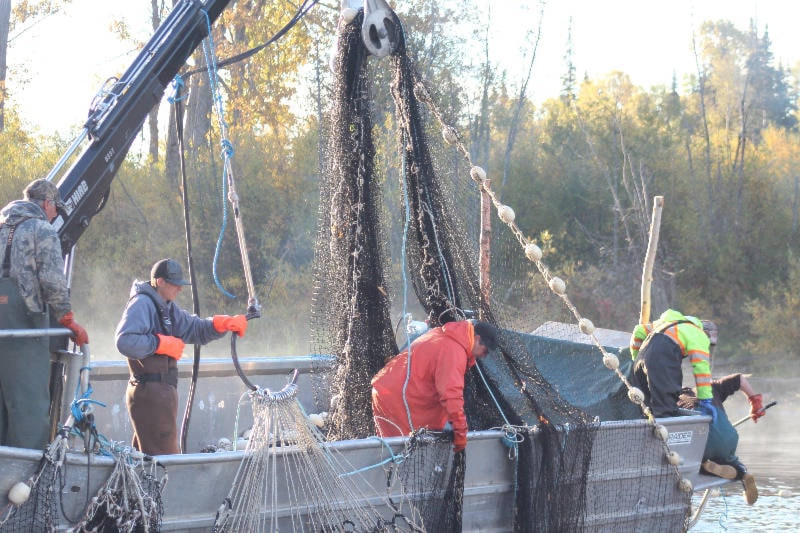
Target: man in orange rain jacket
<point>432,393</point>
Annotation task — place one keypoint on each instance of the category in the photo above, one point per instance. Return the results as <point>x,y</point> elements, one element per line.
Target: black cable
<point>301,12</point>
<point>195,297</point>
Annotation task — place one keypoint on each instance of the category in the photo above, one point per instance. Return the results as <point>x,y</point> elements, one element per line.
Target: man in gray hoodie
<point>32,287</point>
<point>152,334</point>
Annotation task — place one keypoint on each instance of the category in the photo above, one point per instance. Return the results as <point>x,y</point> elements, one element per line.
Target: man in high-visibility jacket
<point>659,349</point>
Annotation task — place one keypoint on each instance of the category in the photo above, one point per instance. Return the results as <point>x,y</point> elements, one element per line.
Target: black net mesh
<point>40,512</point>
<point>564,476</point>
<point>351,317</point>
<point>433,476</point>
<point>351,308</point>
<point>630,487</point>
<point>129,501</point>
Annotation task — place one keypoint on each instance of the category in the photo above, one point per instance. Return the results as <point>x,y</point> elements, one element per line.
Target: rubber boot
<point>719,470</point>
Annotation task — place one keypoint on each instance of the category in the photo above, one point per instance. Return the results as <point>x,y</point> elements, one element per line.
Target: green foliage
<point>774,317</point>
<point>723,151</point>
<point>23,158</point>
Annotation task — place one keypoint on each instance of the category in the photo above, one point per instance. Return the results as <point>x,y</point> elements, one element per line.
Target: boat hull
<point>627,460</point>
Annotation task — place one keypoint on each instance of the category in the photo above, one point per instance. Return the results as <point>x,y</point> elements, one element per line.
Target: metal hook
<point>380,28</point>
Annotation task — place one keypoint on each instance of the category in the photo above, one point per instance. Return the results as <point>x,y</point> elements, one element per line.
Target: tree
<point>5,21</point>
<point>513,127</point>
<point>11,19</point>
<point>774,317</point>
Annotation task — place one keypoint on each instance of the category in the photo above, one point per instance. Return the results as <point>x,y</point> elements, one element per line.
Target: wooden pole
<point>485,244</point>
<point>650,259</point>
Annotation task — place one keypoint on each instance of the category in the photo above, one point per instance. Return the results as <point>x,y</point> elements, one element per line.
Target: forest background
<point>580,170</point>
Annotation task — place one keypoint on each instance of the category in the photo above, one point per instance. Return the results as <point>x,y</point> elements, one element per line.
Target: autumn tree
<point>9,21</point>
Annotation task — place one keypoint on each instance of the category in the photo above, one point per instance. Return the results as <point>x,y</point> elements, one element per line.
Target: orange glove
<point>756,408</point>
<point>236,323</point>
<point>80,337</point>
<point>170,346</point>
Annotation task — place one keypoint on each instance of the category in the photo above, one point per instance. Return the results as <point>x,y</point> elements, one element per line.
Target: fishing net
<point>351,295</point>
<point>549,438</point>
<point>288,480</point>
<point>37,506</point>
<point>431,477</point>
<point>129,501</point>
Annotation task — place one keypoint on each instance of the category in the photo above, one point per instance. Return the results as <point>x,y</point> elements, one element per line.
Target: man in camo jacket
<point>32,286</point>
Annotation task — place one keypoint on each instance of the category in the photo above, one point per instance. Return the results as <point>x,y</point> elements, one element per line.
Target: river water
<point>771,451</point>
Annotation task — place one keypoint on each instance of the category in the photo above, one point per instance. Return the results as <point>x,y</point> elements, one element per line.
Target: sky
<point>65,59</point>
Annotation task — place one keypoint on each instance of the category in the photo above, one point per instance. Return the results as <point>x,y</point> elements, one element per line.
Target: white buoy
<point>685,485</point>
<point>477,173</point>
<point>635,395</point>
<point>450,135</point>
<point>674,458</point>
<point>316,419</point>
<point>224,443</point>
<point>586,326</point>
<point>533,252</point>
<point>611,361</point>
<point>19,493</point>
<point>348,14</point>
<point>506,214</point>
<point>661,433</point>
<point>421,92</point>
<point>558,286</point>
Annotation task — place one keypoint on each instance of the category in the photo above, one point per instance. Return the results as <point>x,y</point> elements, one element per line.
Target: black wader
<point>657,371</point>
<point>24,373</point>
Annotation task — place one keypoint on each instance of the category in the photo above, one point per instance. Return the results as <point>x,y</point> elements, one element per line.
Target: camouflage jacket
<point>36,261</point>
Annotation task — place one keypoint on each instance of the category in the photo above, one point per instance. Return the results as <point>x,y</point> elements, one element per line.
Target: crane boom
<point>116,118</point>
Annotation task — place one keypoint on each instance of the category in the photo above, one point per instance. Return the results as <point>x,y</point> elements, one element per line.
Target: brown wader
<point>24,371</point>
<point>152,398</point>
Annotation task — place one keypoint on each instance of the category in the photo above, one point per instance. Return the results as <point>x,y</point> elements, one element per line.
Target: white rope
<point>123,498</point>
<point>557,286</point>
<point>288,479</point>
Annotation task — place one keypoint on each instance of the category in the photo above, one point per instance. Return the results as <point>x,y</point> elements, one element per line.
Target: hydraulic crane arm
<point>116,118</point>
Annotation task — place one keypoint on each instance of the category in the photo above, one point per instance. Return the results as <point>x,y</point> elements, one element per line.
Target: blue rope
<point>218,247</point>
<point>723,516</point>
<point>405,292</point>
<point>177,84</point>
<point>77,405</point>
<point>494,399</point>
<point>227,147</point>
<point>397,459</point>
